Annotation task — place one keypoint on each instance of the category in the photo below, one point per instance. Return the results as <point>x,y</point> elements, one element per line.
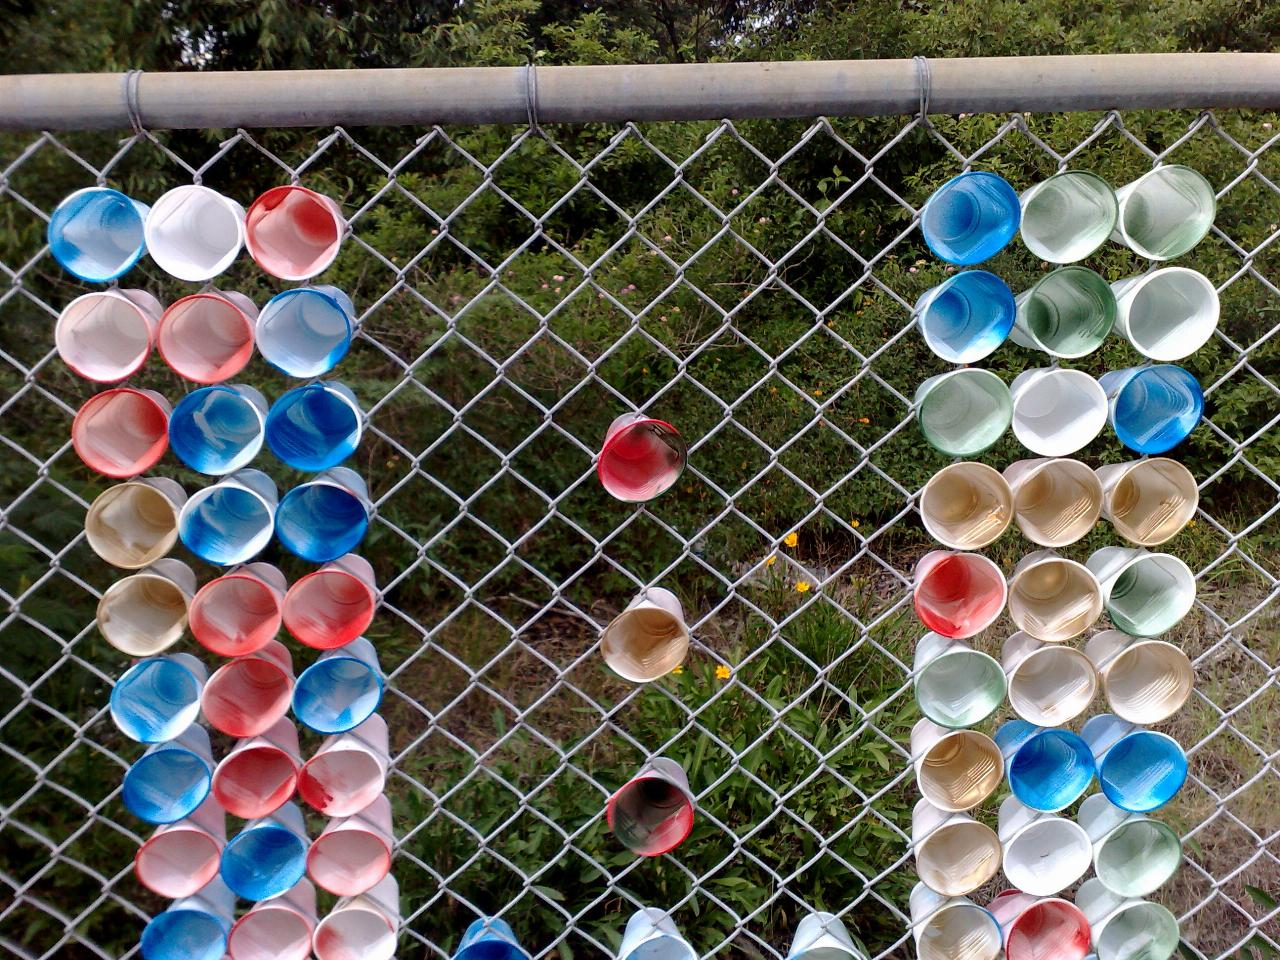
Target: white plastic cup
<point>246,697</point>
<point>966,506</point>
<point>363,927</point>
<point>348,771</point>
<point>178,859</point>
<point>641,458</point>
<point>1043,853</point>
<point>106,336</point>
<point>96,234</point>
<point>1052,598</point>
<point>1165,212</point>
<point>121,432</point>
<point>955,685</point>
<point>305,332</point>
<point>1145,593</point>
<point>294,233</point>
<point>334,605</point>
<point>1167,314</point>
<point>354,853</point>
<point>1133,855</point>
<point>239,612</point>
<point>1046,928</point>
<point>279,928</point>
<point>194,233</point>
<point>135,523</point>
<point>651,934</point>
<point>218,430</point>
<point>653,812</point>
<point>170,781</point>
<point>1049,685</point>
<point>1057,411</point>
<point>340,690</point>
<point>1068,215</point>
<point>1127,928</point>
<point>146,613</point>
<point>208,336</point>
<point>963,412</point>
<point>157,698</point>
<point>325,518</point>
<point>955,769</point>
<point>955,854</point>
<point>230,522</point>
<point>1148,501</point>
<point>193,928</point>
<point>268,856</point>
<point>1144,681</point>
<point>259,773</point>
<point>820,936</point>
<point>951,928</point>
<point>958,595</point>
<point>648,639</point>
<point>1056,501</point>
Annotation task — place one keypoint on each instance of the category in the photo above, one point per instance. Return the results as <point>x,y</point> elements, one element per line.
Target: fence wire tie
<point>132,81</point>
<point>924,82</point>
<point>531,93</point>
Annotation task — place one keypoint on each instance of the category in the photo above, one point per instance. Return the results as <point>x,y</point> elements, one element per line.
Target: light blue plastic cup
<point>231,521</point>
<point>158,698</point>
<point>1153,409</point>
<point>967,316</point>
<point>325,518</point>
<point>1139,770</point>
<point>96,234</point>
<point>268,856</point>
<point>340,690</point>
<point>315,427</point>
<point>193,928</point>
<point>305,332</point>
<point>490,938</point>
<point>971,218</point>
<point>1048,769</point>
<point>171,779</point>
<point>218,430</point>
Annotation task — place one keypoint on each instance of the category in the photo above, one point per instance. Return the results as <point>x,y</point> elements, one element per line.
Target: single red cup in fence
<point>122,432</point>
<point>348,771</point>
<point>362,927</point>
<point>107,335</point>
<point>247,696</point>
<point>241,611</point>
<point>652,813</point>
<point>259,773</point>
<point>180,858</point>
<point>332,606</point>
<point>641,458</point>
<point>208,337</point>
<point>958,595</point>
<point>294,233</point>
<point>1048,928</point>
<point>353,853</point>
<point>276,929</point>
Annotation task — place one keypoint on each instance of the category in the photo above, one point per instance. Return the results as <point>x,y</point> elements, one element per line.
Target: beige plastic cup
<point>951,928</point>
<point>134,524</point>
<point>1052,598</point>
<point>1145,681</point>
<point>146,613</point>
<point>1148,501</point>
<point>966,506</point>
<point>648,639</point>
<point>1056,501</point>
<point>955,769</point>
<point>955,854</point>
<point>1049,684</point>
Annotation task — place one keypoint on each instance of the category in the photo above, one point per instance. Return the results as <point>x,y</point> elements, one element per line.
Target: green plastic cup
<point>1067,314</point>
<point>963,412</point>
<point>1068,216</point>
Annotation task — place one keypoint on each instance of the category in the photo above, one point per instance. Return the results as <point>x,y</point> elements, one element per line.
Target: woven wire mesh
<point>518,290</point>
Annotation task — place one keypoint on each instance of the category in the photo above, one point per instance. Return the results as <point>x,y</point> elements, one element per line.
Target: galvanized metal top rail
<point>579,94</point>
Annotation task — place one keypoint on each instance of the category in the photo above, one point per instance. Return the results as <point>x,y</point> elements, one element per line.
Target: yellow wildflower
<point>678,669</point>
<point>723,672</point>
<point>855,523</point>
<point>791,539</point>
<point>802,586</point>
<point>770,560</point>
<point>863,420</point>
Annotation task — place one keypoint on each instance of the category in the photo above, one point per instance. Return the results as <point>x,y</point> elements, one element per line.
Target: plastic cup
<point>1144,681</point>
<point>651,934</point>
<point>307,331</point>
<point>1140,770</point>
<point>1148,501</point>
<point>966,506</point>
<point>194,233</point>
<point>348,771</point>
<point>970,218</point>
<point>958,595</point>
<point>134,524</point>
<point>146,613</point>
<point>276,929</point>
<point>340,690</point>
<point>641,458</point>
<point>208,337</point>
<point>96,234</point>
<point>1049,685</point>
<point>268,856</point>
<point>315,427</point>
<point>249,695</point>
<point>955,769</point>
<point>121,432</point>
<point>819,936</point>
<point>325,518</point>
<point>489,938</point>
<point>259,773</point>
<point>1127,928</point>
<point>652,813</point>
<point>1055,501</point>
<point>963,412</point>
<point>1048,928</point>
<point>1167,314</point>
<point>955,685</point>
<point>966,317</point>
<point>332,606</point>
<point>952,928</point>
<point>1057,412</point>
<point>1153,409</point>
<point>1165,212</point>
<point>239,612</point>
<point>1052,598</point>
<point>648,639</point>
<point>362,927</point>
<point>218,430</point>
<point>1133,855</point>
<point>1066,314</point>
<point>1145,593</point>
<point>193,928</point>
<point>106,336</point>
<point>168,782</point>
<point>293,233</point>
<point>180,858</point>
<point>1043,852</point>
<point>157,698</point>
<point>1048,769</point>
<point>955,854</point>
<point>353,853</point>
<point>231,521</point>
<point>1068,216</point>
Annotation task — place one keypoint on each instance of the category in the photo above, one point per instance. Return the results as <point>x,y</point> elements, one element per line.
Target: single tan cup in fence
<point>955,854</point>
<point>1148,501</point>
<point>1144,681</point>
<point>134,524</point>
<point>353,853</point>
<point>180,858</point>
<point>648,639</point>
<point>146,613</point>
<point>955,769</point>
<point>1056,501</point>
<point>1052,598</point>
<point>966,506</point>
<point>1049,685</point>
<point>348,771</point>
<point>239,612</point>
<point>951,928</point>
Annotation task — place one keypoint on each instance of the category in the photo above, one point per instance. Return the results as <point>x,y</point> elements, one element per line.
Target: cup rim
<point>100,400</point>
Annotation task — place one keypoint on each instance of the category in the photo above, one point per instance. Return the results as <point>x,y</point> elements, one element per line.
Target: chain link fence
<point>751,283</point>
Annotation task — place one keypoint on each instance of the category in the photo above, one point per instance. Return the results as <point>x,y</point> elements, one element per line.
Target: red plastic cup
<point>208,337</point>
<point>246,697</point>
<point>958,595</point>
<point>294,233</point>
<point>276,929</point>
<point>349,771</point>
<point>362,927</point>
<point>180,858</point>
<point>1047,928</point>
<point>641,458</point>
<point>260,773</point>
<point>652,813</point>
<point>241,611</point>
<point>332,606</point>
<point>122,432</point>
<point>353,853</point>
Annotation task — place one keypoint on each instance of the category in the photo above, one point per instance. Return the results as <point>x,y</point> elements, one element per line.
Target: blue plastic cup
<point>231,521</point>
<point>490,938</point>
<point>268,856</point>
<point>325,518</point>
<point>1153,409</point>
<point>967,316</point>
<point>158,698</point>
<point>971,218</point>
<point>171,779</point>
<point>305,332</point>
<point>340,690</point>
<point>1048,769</point>
<point>1140,770</point>
<point>193,928</point>
<point>218,430</point>
<point>96,234</point>
<point>316,426</point>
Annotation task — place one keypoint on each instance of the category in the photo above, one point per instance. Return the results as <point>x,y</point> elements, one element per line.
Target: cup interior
<point>292,232</point>
<point>1054,600</point>
<point>650,816</point>
<point>1051,770</point>
<point>96,234</point>
<point>143,614</point>
<point>970,218</point>
<point>1153,501</point>
<point>120,433</point>
<point>965,413</point>
<point>1168,211</point>
<point>1059,413</point>
<point>1157,408</point>
<point>304,332</point>
<point>321,521</point>
<point>960,770</point>
<point>103,337</point>
<point>1151,595</point>
<point>968,316</point>
<point>235,615</point>
<point>960,596</point>
<point>1058,503</point>
<point>328,609</point>
<point>336,694</point>
<point>131,525</point>
<point>313,428</point>
<point>1149,682</point>
<point>246,696</point>
<point>641,461</point>
<point>1143,771</point>
<point>1052,686</point>
<point>155,700</point>
<point>960,688</point>
<point>255,781</point>
<point>1070,312</point>
<point>340,782</point>
<point>227,525</point>
<point>644,643</point>
<point>1070,216</point>
<point>166,785</point>
<point>958,858</point>
<point>271,933</point>
<point>178,862</point>
<point>966,506</point>
<point>1138,857</point>
<point>1173,314</point>
<point>216,430</point>
<point>184,935</point>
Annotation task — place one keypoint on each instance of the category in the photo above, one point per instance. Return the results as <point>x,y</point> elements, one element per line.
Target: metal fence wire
<point>753,284</point>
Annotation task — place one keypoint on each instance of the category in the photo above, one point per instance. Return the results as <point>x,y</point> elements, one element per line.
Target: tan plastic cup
<point>1044,853</point>
<point>647,640</point>
<point>1052,598</point>
<point>353,853</point>
<point>1056,501</point>
<point>955,854</point>
<point>955,769</point>
<point>653,812</point>
<point>951,928</point>
<point>1049,685</point>
<point>363,927</point>
<point>259,774</point>
<point>239,612</point>
<point>1148,501</point>
<point>276,929</point>
<point>106,336</point>
<point>134,524</point>
<point>245,698</point>
<point>966,506</point>
<point>1145,681</point>
<point>178,859</point>
<point>330,607</point>
<point>146,613</point>
<point>348,771</point>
